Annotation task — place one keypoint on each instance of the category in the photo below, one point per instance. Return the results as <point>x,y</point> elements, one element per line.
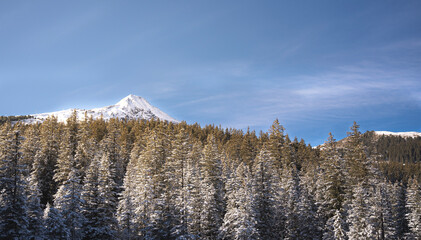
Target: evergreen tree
<point>266,185</point>
<point>86,147</point>
<point>68,201</point>
<point>126,217</point>
<point>111,146</point>
<point>360,226</point>
<point>240,219</point>
<point>31,145</point>
<point>397,193</point>
<point>176,185</point>
<point>330,184</point>
<point>150,199</point>
<point>413,204</point>
<point>54,225</point>
<point>293,195</point>
<point>212,190</point>
<point>13,202</point>
<point>193,192</point>
<point>355,157</point>
<point>380,218</point>
<point>35,213</point>
<point>276,142</point>
<point>46,159</point>
<point>66,160</point>
<point>335,228</point>
<point>99,201</point>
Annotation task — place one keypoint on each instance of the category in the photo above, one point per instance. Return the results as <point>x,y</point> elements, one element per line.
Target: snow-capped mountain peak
<point>130,107</point>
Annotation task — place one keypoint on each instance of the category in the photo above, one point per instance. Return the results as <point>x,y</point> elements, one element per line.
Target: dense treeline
<point>4,119</point>
<point>395,148</point>
<point>128,179</point>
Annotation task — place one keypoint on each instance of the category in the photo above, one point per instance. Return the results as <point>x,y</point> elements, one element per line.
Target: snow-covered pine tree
<point>13,202</point>
<point>66,160</point>
<point>54,225</point>
<point>335,228</point>
<point>358,215</point>
<point>240,218</point>
<point>212,188</point>
<point>355,157</point>
<point>91,199</point>
<point>330,185</point>
<point>150,199</point>
<point>86,147</point>
<point>380,213</point>
<point>193,193</point>
<point>110,145</point>
<point>266,187</point>
<point>176,185</point>
<point>291,184</point>
<point>128,228</point>
<point>398,200</point>
<point>47,159</point>
<point>31,145</point>
<point>68,201</point>
<point>108,196</point>
<point>35,213</point>
<point>276,142</point>
<point>99,201</point>
<point>413,205</point>
<point>307,212</point>
<point>247,149</point>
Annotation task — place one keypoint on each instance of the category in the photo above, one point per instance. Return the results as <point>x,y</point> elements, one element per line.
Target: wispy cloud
<point>328,95</point>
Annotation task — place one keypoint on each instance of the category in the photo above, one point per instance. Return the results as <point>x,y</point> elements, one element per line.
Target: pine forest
<point>137,179</point>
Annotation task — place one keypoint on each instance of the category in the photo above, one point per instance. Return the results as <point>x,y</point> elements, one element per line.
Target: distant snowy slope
<point>130,107</point>
<point>400,134</point>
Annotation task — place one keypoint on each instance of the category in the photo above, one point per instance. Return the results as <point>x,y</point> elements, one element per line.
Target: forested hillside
<point>137,179</point>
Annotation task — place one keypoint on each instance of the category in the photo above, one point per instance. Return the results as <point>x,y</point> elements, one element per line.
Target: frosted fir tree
<point>335,228</point>
<point>291,205</point>
<point>330,182</point>
<point>210,212</point>
<point>31,145</point>
<point>54,225</point>
<point>267,187</point>
<point>68,201</point>
<point>176,184</point>
<point>108,196</point>
<point>99,201</point>
<point>212,188</point>
<point>47,159</point>
<point>240,219</point>
<point>13,202</point>
<point>307,211</point>
<point>358,214</point>
<point>126,217</point>
<point>35,213</point>
<point>86,147</point>
<point>355,157</point>
<point>193,193</point>
<point>149,198</point>
<point>330,185</point>
<point>398,201</point>
<point>276,142</point>
<point>66,160</point>
<point>380,213</point>
<point>110,145</point>
<point>413,205</point>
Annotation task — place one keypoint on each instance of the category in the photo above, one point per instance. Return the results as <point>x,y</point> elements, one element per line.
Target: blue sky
<point>317,66</point>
